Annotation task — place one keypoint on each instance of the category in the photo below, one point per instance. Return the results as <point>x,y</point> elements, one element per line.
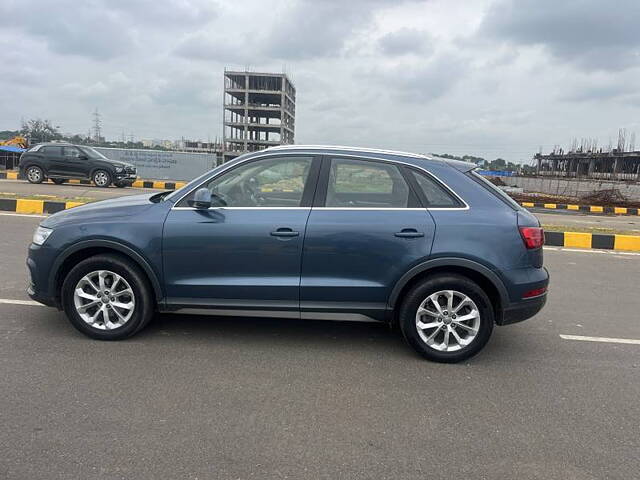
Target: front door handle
<point>285,232</point>
<point>409,233</point>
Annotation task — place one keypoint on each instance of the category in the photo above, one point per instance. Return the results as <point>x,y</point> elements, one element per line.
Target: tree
<point>39,130</point>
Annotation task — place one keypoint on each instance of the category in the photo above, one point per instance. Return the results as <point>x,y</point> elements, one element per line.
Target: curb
<point>159,184</point>
<point>583,208</point>
<point>629,243</point>
<point>23,205</point>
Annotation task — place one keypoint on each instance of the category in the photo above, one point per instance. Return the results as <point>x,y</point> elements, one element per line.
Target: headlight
<point>119,169</point>
<point>41,234</point>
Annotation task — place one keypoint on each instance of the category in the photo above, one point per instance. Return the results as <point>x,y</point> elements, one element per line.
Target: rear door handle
<point>285,232</point>
<point>409,233</point>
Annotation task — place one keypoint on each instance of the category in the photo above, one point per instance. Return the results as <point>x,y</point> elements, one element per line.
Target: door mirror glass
<point>201,199</point>
<point>82,157</point>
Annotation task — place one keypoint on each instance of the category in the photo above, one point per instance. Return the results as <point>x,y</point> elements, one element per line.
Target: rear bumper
<point>523,310</point>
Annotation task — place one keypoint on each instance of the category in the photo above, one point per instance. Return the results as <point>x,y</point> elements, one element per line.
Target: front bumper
<point>39,262</point>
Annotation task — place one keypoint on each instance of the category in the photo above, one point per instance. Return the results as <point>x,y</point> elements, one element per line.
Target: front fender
<point>112,245</point>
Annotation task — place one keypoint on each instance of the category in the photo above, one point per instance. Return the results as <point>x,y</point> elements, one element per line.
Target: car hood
<point>121,207</point>
<point>117,163</point>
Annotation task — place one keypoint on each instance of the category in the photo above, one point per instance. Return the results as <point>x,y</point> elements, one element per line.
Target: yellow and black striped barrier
<point>583,208</point>
<point>629,243</point>
<point>26,205</point>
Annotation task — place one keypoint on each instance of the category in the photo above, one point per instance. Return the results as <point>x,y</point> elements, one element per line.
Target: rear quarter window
<point>502,196</point>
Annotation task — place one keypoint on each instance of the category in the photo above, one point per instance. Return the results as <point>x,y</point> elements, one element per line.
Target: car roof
<point>417,159</point>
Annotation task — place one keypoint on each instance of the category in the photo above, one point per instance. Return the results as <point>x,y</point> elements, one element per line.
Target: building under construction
<point>586,160</point>
<point>259,111</point>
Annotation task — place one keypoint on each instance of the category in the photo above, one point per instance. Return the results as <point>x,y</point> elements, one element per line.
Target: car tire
<point>58,181</point>
<point>101,178</point>
<point>126,313</point>
<point>441,334</point>
<point>34,174</point>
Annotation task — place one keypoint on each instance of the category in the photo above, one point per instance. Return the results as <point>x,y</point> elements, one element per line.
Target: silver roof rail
<point>350,149</point>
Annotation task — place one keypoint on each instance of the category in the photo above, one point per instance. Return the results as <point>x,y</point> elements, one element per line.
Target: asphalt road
<point>198,397</point>
<point>68,190</point>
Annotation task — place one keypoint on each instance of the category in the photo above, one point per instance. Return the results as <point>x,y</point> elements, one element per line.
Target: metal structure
<point>259,111</point>
<point>586,160</point>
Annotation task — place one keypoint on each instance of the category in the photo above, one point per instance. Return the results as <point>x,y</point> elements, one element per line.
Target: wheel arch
<point>82,250</point>
<point>488,280</point>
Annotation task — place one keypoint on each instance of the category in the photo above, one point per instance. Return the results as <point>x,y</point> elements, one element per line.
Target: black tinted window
<point>435,193</point>
<point>365,184</point>
<point>51,150</point>
<point>71,152</point>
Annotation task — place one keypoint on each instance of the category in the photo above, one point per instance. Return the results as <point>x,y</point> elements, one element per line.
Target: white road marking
<point>10,301</point>
<point>592,250</point>
<point>631,341</point>
<point>32,215</point>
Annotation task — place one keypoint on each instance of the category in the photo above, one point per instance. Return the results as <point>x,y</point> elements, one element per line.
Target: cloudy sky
<point>487,77</point>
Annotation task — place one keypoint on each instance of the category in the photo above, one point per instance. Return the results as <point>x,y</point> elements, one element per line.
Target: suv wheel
<point>35,174</point>
<point>58,181</point>
<point>448,318</point>
<point>107,297</point>
<point>102,178</point>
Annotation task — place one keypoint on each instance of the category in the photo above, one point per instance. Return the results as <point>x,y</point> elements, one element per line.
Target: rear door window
<point>366,184</point>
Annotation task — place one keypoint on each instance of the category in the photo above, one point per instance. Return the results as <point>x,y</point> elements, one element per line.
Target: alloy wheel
<point>104,300</point>
<point>101,179</point>
<point>34,174</point>
<point>448,320</point>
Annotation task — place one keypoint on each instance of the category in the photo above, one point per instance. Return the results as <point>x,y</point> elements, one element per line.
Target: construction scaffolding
<point>259,111</point>
<point>586,160</point>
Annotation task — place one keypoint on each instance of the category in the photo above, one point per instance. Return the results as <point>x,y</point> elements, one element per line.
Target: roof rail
<point>350,149</point>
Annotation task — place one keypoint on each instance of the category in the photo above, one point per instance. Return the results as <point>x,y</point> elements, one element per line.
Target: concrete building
<point>613,165</point>
<point>259,112</point>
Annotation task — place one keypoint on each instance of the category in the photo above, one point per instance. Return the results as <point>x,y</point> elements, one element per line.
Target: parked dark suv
<point>322,233</point>
<point>62,161</point>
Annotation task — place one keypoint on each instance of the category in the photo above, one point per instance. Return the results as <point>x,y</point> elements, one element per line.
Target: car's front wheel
<point>107,297</point>
<point>35,174</point>
<point>102,178</point>
<point>448,318</point>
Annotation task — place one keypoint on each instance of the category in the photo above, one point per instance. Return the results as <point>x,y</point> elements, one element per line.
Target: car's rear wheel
<point>58,181</point>
<point>35,174</point>
<point>107,297</point>
<point>102,178</point>
<point>448,318</point>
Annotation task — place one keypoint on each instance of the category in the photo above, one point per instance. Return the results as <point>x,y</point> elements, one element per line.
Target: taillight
<point>533,237</point>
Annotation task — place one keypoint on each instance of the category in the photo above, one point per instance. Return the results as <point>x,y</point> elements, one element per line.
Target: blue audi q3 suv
<point>305,232</point>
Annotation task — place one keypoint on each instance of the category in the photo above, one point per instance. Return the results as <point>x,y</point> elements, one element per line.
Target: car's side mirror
<point>83,157</point>
<point>201,199</point>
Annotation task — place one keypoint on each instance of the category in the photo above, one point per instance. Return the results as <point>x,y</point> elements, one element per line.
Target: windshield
<point>92,153</point>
